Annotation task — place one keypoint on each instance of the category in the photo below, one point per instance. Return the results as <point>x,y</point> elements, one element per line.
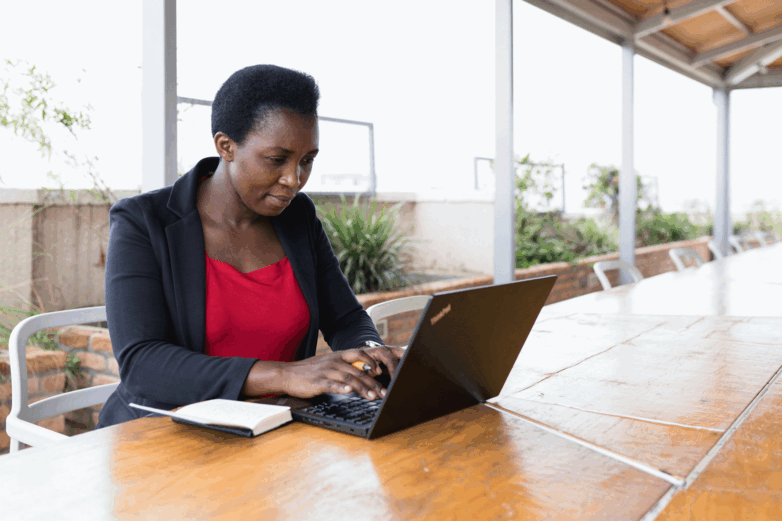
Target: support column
<point>722,225</point>
<point>504,172</point>
<point>627,179</point>
<point>158,95</point>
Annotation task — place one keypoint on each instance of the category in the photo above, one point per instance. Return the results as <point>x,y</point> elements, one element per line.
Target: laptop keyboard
<point>356,410</point>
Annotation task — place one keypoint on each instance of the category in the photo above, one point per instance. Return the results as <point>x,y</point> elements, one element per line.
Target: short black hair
<point>245,98</point>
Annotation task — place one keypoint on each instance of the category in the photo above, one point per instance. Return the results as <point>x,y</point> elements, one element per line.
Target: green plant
<point>543,237</point>
<point>602,184</point>
<point>43,339</point>
<point>655,227</point>
<point>369,249</point>
<point>30,109</point>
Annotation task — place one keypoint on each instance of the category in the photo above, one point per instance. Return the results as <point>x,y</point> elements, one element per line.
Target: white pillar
<point>627,179</point>
<point>722,226</point>
<point>504,172</point>
<point>158,95</point>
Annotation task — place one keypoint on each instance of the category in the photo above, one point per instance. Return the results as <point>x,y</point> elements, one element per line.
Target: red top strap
<point>261,314</point>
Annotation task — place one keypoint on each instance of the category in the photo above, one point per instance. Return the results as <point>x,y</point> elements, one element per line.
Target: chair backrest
<point>738,243</point>
<point>602,266</point>
<point>715,251</point>
<point>380,312</point>
<point>764,238</point>
<point>19,424</point>
<point>678,254</point>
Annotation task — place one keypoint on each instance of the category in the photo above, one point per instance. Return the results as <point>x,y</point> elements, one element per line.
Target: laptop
<point>461,353</point>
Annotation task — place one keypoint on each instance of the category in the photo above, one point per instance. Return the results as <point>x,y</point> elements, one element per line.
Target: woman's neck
<point>219,201</point>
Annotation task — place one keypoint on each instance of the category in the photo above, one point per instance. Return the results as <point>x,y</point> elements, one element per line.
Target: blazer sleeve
<point>152,365</point>
<point>343,321</point>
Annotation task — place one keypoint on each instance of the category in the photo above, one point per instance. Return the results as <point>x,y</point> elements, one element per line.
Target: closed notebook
<point>243,418</point>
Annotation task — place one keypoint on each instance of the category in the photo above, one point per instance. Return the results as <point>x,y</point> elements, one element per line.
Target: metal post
<point>505,186</point>
<point>722,208</point>
<point>627,182</point>
<point>158,95</point>
<point>372,174</point>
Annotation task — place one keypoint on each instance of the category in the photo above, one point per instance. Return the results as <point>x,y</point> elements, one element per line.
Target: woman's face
<point>274,162</point>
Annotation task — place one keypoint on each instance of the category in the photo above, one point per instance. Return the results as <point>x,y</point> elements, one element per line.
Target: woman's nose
<point>291,176</point>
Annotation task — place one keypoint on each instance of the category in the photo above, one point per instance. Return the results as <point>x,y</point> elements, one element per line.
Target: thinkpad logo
<point>435,319</point>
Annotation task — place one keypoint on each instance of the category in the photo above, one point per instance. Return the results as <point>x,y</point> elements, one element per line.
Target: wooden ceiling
<point>722,43</point>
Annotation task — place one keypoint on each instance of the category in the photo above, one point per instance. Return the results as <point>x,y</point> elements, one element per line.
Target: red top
<point>261,314</point>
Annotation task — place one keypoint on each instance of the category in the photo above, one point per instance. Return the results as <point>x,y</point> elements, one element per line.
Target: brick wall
<point>92,346</point>
<point>45,378</point>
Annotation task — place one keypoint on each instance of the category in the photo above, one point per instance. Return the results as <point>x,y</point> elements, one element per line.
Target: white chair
<point>679,254</point>
<point>603,266</point>
<point>738,243</point>
<point>19,424</point>
<point>715,251</point>
<point>764,238</point>
<point>380,312</point>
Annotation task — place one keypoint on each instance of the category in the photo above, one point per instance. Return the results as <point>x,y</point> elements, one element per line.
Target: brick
<point>112,366</point>
<point>76,337</point>
<point>102,379</point>
<point>55,423</point>
<point>33,384</point>
<point>39,360</point>
<point>92,361</point>
<point>95,418</point>
<point>101,342</point>
<point>53,382</point>
<point>5,390</point>
<point>5,442</point>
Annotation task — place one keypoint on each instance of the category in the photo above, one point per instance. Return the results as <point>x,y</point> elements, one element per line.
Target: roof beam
<point>662,51</point>
<point>590,16</point>
<point>758,81</point>
<point>741,26</point>
<point>755,40</point>
<point>658,22</point>
<point>753,62</point>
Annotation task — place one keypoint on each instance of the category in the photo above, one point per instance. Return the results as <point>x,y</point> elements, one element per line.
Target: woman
<point>216,286</point>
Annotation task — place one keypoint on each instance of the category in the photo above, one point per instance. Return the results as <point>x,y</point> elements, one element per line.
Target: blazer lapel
<point>188,274</point>
<point>186,254</point>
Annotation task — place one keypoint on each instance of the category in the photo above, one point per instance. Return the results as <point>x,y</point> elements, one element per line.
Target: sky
<point>422,71</point>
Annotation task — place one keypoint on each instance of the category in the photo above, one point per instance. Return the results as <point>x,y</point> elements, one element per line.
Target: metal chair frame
<point>677,254</point>
<point>602,266</point>
<point>20,424</point>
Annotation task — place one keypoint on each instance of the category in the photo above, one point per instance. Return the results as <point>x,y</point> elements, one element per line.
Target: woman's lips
<point>279,200</point>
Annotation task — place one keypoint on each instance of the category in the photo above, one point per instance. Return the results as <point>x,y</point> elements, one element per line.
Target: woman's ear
<point>225,147</point>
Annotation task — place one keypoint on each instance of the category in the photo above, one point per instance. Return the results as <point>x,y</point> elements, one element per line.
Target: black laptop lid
<point>462,351</point>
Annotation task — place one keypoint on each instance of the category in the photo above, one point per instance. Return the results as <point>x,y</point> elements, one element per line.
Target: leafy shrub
<point>655,227</point>
<point>10,316</point>
<point>369,250</point>
<point>547,237</point>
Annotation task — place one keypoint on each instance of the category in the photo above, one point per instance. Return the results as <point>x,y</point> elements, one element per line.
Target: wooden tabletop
<point>604,416</point>
<point>748,284</point>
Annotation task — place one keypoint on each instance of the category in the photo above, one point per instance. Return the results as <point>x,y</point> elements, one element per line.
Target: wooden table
<point>748,284</point>
<point>604,416</point>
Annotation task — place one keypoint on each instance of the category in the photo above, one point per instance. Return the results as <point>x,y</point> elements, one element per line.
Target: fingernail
<point>347,388</point>
<point>367,367</point>
<point>383,393</point>
<point>371,395</point>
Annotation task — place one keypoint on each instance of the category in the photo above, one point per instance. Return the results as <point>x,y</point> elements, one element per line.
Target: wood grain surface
<point>475,464</point>
<point>744,480</point>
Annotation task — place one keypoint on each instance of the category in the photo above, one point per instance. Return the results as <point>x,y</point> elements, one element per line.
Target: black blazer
<point>156,298</point>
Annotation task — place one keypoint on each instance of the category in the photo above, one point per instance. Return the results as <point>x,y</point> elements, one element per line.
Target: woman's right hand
<point>326,373</point>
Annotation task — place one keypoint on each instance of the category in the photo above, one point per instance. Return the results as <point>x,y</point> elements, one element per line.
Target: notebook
<point>460,355</point>
<point>243,418</point>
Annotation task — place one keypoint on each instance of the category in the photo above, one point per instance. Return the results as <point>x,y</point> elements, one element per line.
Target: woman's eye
<point>277,160</point>
<point>308,160</point>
